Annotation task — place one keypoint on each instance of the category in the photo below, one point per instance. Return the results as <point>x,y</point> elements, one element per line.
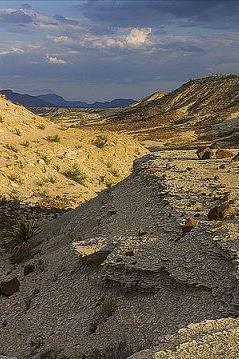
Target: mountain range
<point>53,100</point>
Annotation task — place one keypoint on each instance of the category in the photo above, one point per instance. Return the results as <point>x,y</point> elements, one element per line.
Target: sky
<point>97,50</point>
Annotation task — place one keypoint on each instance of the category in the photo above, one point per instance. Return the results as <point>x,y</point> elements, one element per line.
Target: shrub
<point>15,178</point>
<point>51,179</point>
<point>1,119</point>
<point>17,131</point>
<point>25,144</point>
<point>75,174</point>
<point>100,141</point>
<point>54,138</point>
<point>44,158</point>
<point>41,126</point>
<point>21,244</point>
<point>11,147</point>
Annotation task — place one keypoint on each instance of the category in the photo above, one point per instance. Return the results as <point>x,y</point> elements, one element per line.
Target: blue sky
<point>104,49</point>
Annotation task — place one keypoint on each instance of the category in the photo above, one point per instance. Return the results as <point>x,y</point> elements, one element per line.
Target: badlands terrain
<point>202,110</point>
<point>146,267</point>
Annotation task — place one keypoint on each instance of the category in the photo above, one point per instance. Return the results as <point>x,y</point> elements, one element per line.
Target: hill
<point>53,100</point>
<point>201,110</point>
<point>42,163</point>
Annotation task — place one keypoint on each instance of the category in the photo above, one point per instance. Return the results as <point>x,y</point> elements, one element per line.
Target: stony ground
<point>117,274</point>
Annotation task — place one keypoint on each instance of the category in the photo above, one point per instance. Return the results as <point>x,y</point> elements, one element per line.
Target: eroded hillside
<point>200,111</point>
<point>44,164</point>
<point>118,273</point>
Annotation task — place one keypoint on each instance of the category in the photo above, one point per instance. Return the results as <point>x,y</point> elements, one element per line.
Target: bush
<point>17,131</point>
<point>54,138</point>
<point>25,144</point>
<point>41,126</point>
<point>11,147</point>
<point>100,141</point>
<point>21,243</point>
<point>15,178</point>
<point>75,174</point>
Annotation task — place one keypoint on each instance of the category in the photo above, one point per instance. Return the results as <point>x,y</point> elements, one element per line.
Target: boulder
<point>222,153</point>
<point>236,157</point>
<point>219,213</point>
<point>189,224</point>
<point>205,153</point>
<point>9,287</point>
<point>29,268</point>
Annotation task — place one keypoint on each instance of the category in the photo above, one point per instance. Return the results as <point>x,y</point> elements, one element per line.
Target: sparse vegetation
<point>100,141</point>
<point>17,131</point>
<point>11,147</point>
<point>51,179</point>
<point>54,138</point>
<point>25,144</point>
<point>75,174</point>
<point>44,157</point>
<point>41,126</point>
<point>21,244</point>
<point>15,178</point>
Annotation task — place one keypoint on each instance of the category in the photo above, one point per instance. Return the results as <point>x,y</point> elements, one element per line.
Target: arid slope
<point>51,165</point>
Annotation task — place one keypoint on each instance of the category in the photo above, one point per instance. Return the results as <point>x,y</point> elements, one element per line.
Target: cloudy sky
<point>104,49</point>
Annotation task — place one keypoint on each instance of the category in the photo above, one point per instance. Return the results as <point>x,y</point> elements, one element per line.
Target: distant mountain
<point>24,99</point>
<point>53,100</point>
<point>59,101</point>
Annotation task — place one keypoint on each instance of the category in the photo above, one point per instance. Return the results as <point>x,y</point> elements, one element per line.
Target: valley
<point>134,248</point>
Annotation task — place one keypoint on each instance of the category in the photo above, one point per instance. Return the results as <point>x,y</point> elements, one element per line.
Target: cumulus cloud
<point>55,60</point>
<point>138,37</point>
<point>134,38</point>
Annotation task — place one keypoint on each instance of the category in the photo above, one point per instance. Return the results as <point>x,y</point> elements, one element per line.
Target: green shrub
<point>100,141</point>
<point>21,243</point>
<point>51,179</point>
<point>15,178</point>
<point>75,174</point>
<point>11,147</point>
<point>41,126</point>
<point>17,131</point>
<point>25,144</point>
<point>54,138</point>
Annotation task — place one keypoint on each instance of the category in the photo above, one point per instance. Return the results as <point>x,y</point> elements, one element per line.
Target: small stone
<point>9,287</point>
<point>189,224</point>
<point>29,269</point>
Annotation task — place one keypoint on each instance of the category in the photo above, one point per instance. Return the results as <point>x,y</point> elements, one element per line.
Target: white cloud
<point>13,50</point>
<point>61,39</point>
<point>55,60</point>
<point>138,37</point>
